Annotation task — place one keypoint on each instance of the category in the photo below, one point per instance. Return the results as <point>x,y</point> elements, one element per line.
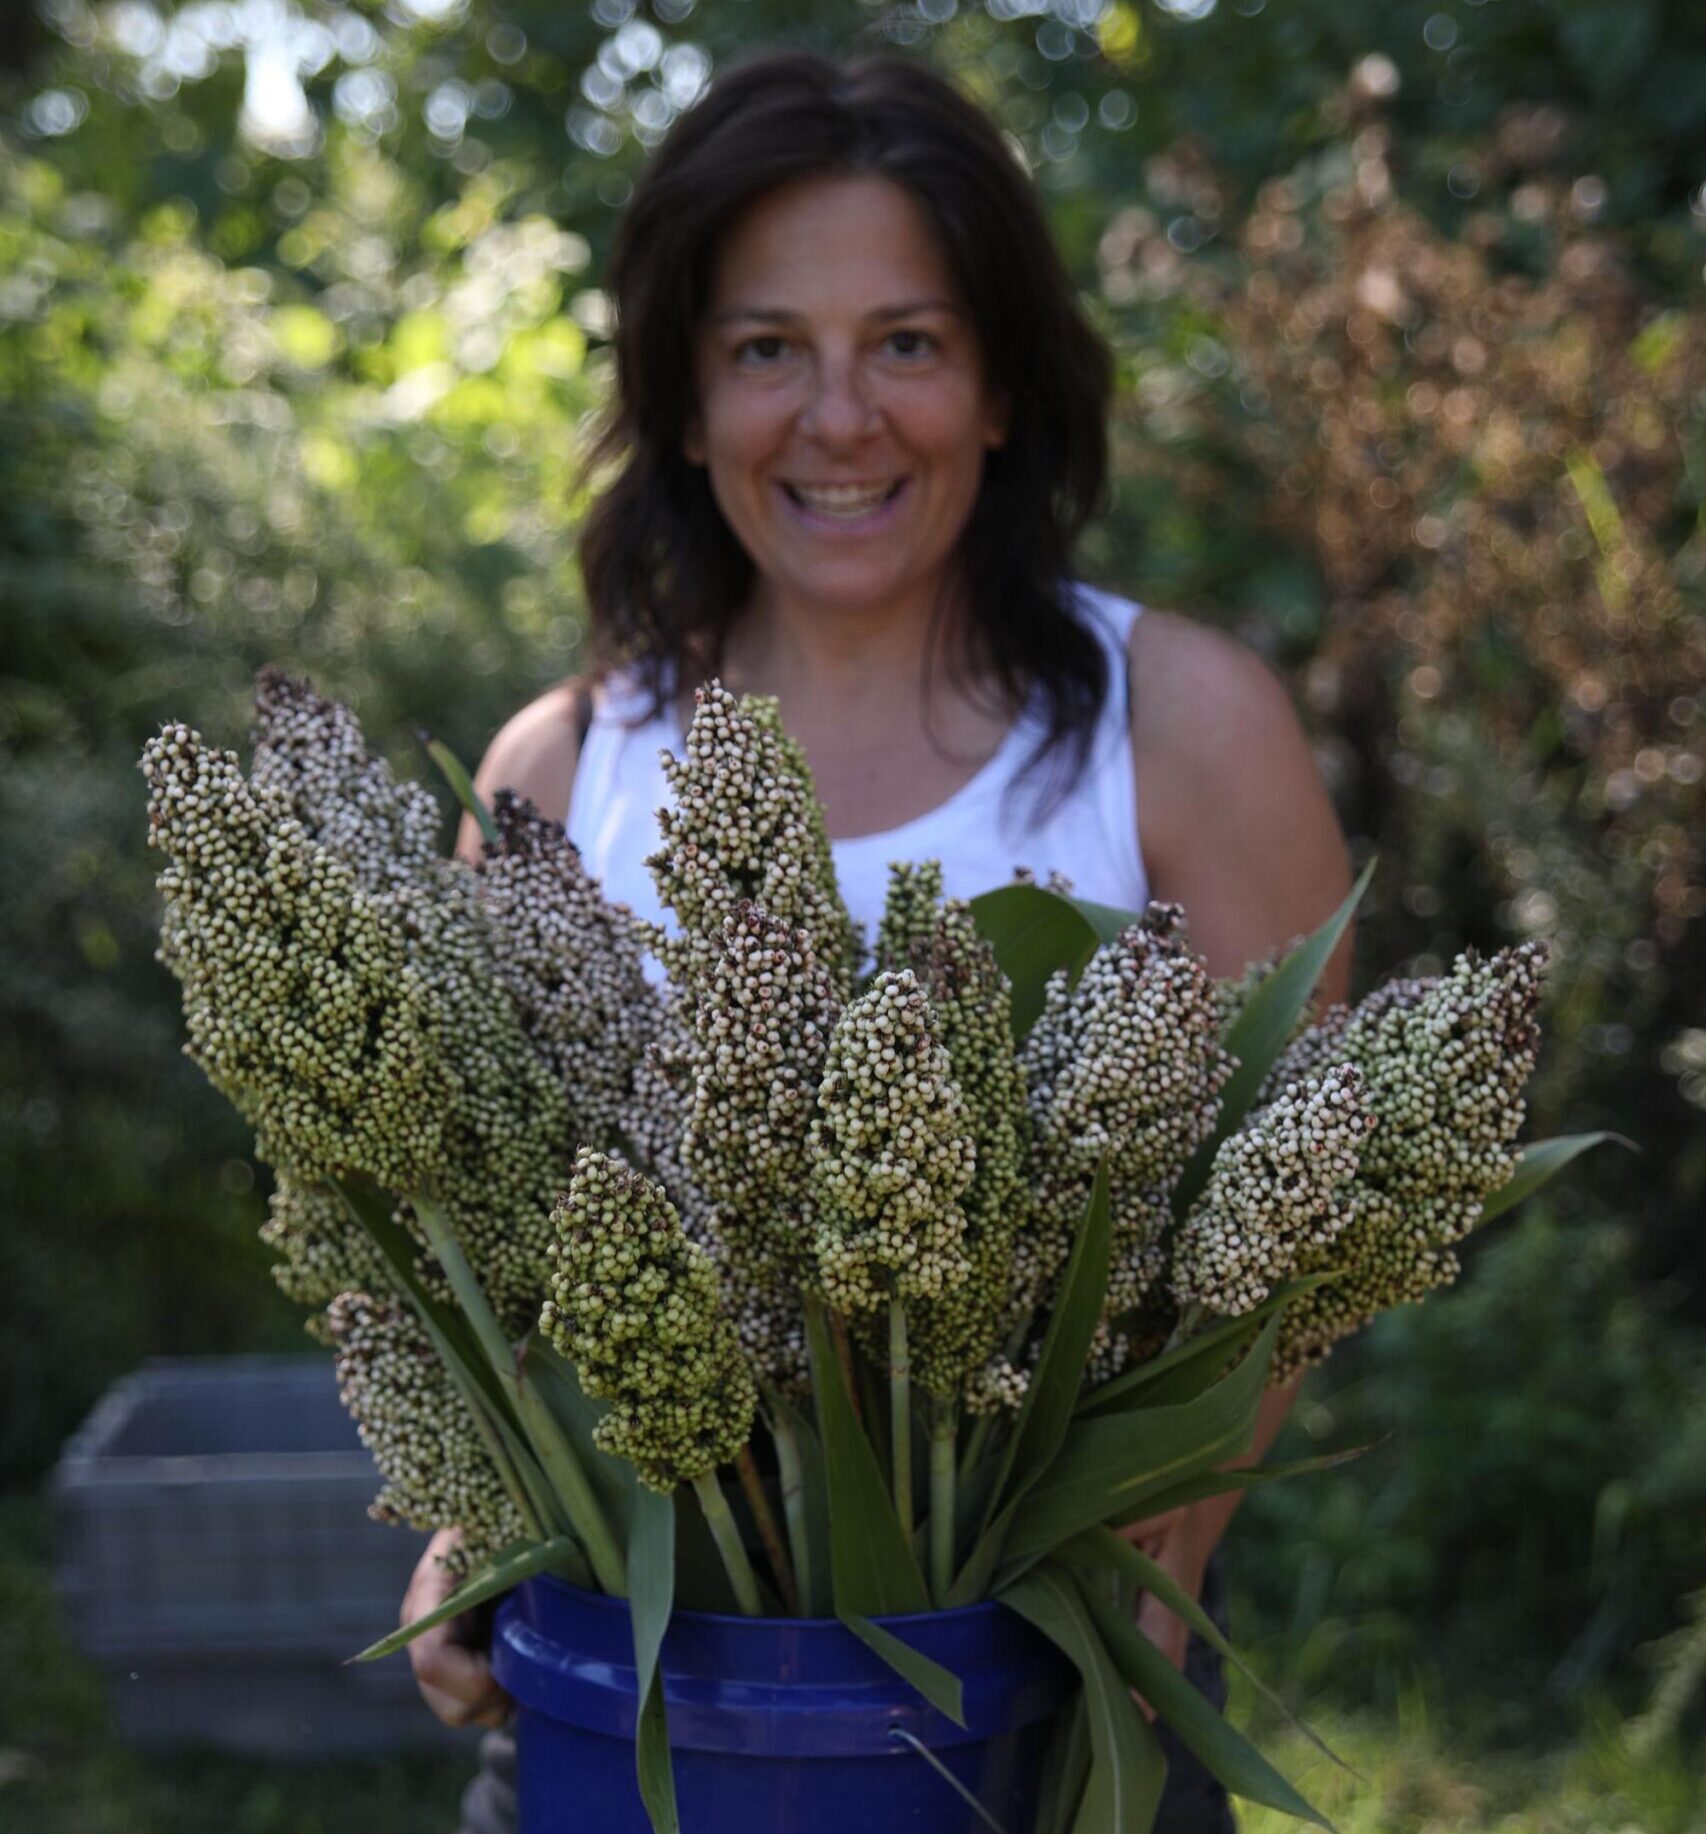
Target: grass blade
<point>1220,1483</point>
<point>1112,1461</point>
<point>940,1686</point>
<point>1127,1768</point>
<point>1201,1729</point>
<point>651,1596</point>
<point>1103,1549</point>
<point>455,773</point>
<point>800,1454</point>
<point>509,1567</point>
<point>1221,1338</point>
<point>872,1569</point>
<point>1046,1413</point>
<point>1542,1160</point>
<point>488,1406</point>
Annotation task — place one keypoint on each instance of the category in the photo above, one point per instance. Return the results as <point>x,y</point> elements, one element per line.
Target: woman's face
<point>843,411</point>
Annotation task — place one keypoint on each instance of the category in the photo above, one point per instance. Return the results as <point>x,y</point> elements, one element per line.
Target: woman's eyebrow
<point>776,315</point>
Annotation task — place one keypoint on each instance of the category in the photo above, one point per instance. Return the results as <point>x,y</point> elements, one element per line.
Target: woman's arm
<point>1236,826</point>
<point>535,755</point>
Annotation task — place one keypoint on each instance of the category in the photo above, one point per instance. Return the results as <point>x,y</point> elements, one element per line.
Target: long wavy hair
<point>665,576</point>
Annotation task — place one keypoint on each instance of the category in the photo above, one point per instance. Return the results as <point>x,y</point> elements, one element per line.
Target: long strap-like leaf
<point>940,1686</point>
<point>1217,1744</point>
<point>455,773</point>
<point>651,1596</point>
<point>1128,1770</point>
<point>1045,1417</point>
<point>873,1572</point>
<point>513,1564</point>
<point>1112,1462</point>
<point>1540,1161</point>
<point>1102,1548</point>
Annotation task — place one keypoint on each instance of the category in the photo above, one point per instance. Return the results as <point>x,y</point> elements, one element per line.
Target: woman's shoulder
<point>1217,742</point>
<point>1190,681</point>
<point>534,753</point>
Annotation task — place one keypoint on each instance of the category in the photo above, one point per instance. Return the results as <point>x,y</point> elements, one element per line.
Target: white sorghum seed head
<point>1443,1063</point>
<point>635,1306</point>
<point>1277,1190</point>
<point>891,1153</point>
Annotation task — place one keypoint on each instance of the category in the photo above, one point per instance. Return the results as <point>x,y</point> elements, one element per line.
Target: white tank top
<point>979,834</point>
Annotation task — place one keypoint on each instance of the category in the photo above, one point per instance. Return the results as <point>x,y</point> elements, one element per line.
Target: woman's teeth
<point>842,500</point>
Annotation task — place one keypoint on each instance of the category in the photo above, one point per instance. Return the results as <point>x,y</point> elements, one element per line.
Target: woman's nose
<point>838,408</point>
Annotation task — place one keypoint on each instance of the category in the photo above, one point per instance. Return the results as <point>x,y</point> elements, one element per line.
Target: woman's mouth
<point>843,506</point>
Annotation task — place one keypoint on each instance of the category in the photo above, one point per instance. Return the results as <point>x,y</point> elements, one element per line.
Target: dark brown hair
<point>665,575</point>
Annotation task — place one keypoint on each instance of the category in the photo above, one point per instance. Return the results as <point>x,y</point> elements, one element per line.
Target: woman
<point>859,424</point>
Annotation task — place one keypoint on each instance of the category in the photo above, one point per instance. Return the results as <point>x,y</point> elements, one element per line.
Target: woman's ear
<point>693,441</point>
<point>997,418</point>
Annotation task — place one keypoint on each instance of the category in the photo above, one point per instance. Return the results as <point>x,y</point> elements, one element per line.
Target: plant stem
<point>987,1423</point>
<point>944,1426</point>
<point>1188,1321</point>
<point>752,1484</point>
<point>722,1525</point>
<point>538,1423</point>
<point>794,1503</point>
<point>900,1415</point>
<point>981,1428</point>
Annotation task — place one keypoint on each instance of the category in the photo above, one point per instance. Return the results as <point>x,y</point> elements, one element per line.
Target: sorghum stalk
<point>721,1522</point>
<point>944,1426</point>
<point>900,1415</point>
<point>981,1428</point>
<point>764,1517</point>
<point>544,1433</point>
<point>794,1502</point>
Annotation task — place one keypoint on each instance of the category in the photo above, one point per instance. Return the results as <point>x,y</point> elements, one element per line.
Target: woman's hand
<point>1173,1541</point>
<point>451,1671</point>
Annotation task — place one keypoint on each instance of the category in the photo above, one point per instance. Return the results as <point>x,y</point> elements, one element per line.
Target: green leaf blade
<point>1220,1747</point>
<point>1112,1462</point>
<point>1045,1416</point>
<point>1103,1549</point>
<point>455,773</point>
<point>508,1568</point>
<point>1034,933</point>
<point>651,1596</point>
<point>873,1572</point>
<point>940,1686</point>
<point>1541,1161</point>
<point>1128,1769</point>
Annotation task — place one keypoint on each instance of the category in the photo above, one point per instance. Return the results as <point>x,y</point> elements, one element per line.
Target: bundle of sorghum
<point>785,1194</point>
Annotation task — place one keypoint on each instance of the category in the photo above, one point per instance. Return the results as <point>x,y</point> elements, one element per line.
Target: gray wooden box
<point>215,1560</point>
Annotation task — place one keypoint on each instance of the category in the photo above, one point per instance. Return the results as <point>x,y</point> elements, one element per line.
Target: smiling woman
<point>844,447</point>
<point>858,427</point>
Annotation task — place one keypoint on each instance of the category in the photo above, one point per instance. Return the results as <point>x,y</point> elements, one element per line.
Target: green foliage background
<point>300,337</point>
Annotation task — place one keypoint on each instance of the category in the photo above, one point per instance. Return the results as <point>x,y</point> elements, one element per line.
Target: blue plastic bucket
<point>777,1725</point>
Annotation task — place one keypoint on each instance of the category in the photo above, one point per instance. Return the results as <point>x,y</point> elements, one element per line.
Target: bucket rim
<point>952,1613</point>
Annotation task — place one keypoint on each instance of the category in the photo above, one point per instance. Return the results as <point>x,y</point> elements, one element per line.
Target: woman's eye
<point>748,345</point>
<point>923,341</point>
